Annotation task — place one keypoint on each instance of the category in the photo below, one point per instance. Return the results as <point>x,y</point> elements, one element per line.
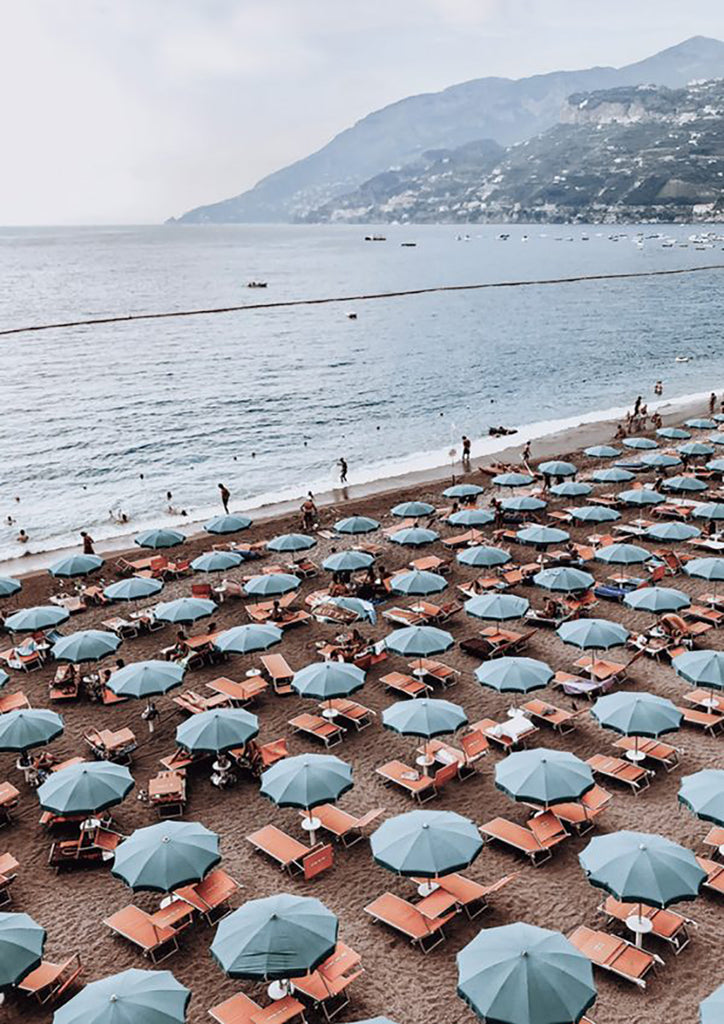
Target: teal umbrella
<point>657,600</point>
<point>614,475</point>
<point>483,557</point>
<point>28,727</point>
<point>673,433</point>
<point>525,503</point>
<point>513,674</point>
<point>75,565</point>
<point>227,524</point>
<point>571,489</point>
<point>497,607</point>
<point>363,609</point>
<point>159,539</point>
<point>471,517</point>
<point>418,641</point>
<point>414,536</point>
<point>412,509</point>
<point>642,496</point>
<point>418,583</point>
<point>307,781</point>
<point>660,460</point>
<point>184,609</point>
<point>513,480</point>
<point>21,947</point>
<point>271,584</point>
<point>713,510</point>
<point>216,561</point>
<point>711,569</point>
<point>356,524</point>
<point>703,794</point>
<point>85,788</point>
<point>593,634</point>
<point>463,491</point>
<point>717,438</point>
<point>717,465</point>
<point>246,639</point>
<point>542,536</point>
<point>557,468</point>
<point>637,714</point>
<point>595,514</point>
<point>623,554</point>
<point>347,561</point>
<point>133,588</point>
<point>672,532</point>
<point>695,448</point>
<point>85,645</point>
<point>700,423</point>
<point>32,620</point>
<point>703,668</point>
<point>602,451</point>
<point>165,856</point>
<point>9,586</point>
<point>426,717</point>
<point>522,974</point>
<point>325,680</point>
<point>684,484</point>
<point>4,677</point>
<point>543,777</point>
<point>564,580</point>
<point>711,1009</point>
<point>277,937</point>
<point>640,443</point>
<point>426,844</point>
<point>291,542</point>
<point>146,678</point>
<point>130,997</point>
<point>217,731</point>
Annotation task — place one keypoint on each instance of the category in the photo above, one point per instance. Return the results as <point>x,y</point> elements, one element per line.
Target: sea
<point>108,418</point>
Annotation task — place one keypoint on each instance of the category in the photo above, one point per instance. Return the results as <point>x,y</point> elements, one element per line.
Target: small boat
<point>375,238</point>
<point>408,245</point>
<point>682,359</point>
<point>256,284</point>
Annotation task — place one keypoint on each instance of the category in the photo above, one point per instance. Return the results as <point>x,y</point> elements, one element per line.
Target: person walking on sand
<point>225,495</point>
<point>466,450</point>
<point>525,454</point>
<point>712,403</point>
<point>149,714</point>
<point>309,512</point>
<point>87,543</point>
<point>342,470</point>
<point>637,405</point>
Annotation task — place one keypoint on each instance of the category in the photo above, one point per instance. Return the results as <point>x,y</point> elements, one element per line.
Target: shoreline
<point>555,438</point>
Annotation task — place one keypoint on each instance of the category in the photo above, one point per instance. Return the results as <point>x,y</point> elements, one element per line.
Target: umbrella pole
<point>310,824</point>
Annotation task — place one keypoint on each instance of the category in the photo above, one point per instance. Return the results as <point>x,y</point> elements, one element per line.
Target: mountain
<point>501,109</point>
<point>633,153</point>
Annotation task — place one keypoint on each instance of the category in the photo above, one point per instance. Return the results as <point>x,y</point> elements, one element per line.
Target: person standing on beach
<point>712,403</point>
<point>466,450</point>
<point>525,454</point>
<point>342,470</point>
<point>87,543</point>
<point>225,495</point>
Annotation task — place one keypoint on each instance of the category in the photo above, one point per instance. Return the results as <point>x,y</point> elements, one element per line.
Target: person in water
<point>342,470</point>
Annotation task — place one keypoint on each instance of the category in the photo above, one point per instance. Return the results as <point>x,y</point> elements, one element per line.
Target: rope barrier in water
<point>328,300</point>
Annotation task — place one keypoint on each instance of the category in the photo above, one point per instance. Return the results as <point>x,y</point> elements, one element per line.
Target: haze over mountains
<point>492,113</point>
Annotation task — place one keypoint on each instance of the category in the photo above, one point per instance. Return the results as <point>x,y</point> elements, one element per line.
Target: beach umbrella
<point>325,680</point>
<point>160,538</point>
<point>640,443</point>
<point>471,517</point>
<point>497,607</point>
<point>133,588</point>
<point>277,937</point>
<point>657,600</point>
<point>513,674</point>
<point>463,491</point>
<point>522,974</point>
<point>165,856</point>
<point>542,536</point>
<point>426,844</point>
<point>672,532</point>
<point>543,777</point>
<point>271,584</point>
<point>700,423</point>
<point>217,731</point>
<point>713,510</point>
<point>513,480</point>
<point>595,514</point>
<point>602,451</point>
<point>412,509</point>
<point>216,561</point>
<point>307,781</point>
<point>364,609</point>
<point>425,717</point>
<point>716,438</point>
<point>637,714</point>
<point>564,580</point>
<point>642,496</point>
<point>418,583</point>
<point>593,634</point>
<point>418,641</point>
<point>717,465</point>
<point>9,586</point>
<point>718,417</point>
<point>75,565</point>
<point>703,794</point>
<point>483,557</point>
<point>622,554</point>
<point>4,677</point>
<point>85,645</point>
<point>133,996</point>
<point>525,503</point>
<point>32,620</point>
<point>227,524</point>
<point>660,460</point>
<point>356,524</point>
<point>28,727</point>
<point>347,561</point>
<point>695,448</point>
<point>85,788</point>
<point>673,433</point>
<point>571,489</point>
<point>557,468</point>
<point>184,609</point>
<point>21,947</point>
<point>246,639</point>
<point>291,542</point>
<point>711,569</point>
<point>711,1009</point>
<point>702,668</point>
<point>414,536</point>
<point>684,484</point>
<point>614,475</point>
<point>146,678</point>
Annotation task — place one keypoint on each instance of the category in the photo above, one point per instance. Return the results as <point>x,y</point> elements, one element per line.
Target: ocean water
<point>109,417</point>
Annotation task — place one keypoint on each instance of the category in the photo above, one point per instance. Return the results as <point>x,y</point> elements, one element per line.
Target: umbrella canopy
<point>427,717</point>
<point>217,730</point>
<point>497,607</point>
<point>471,517</point>
<point>28,728</point>
<point>717,438</point>
<point>227,524</point>
<point>522,974</point>
<point>364,609</point>
<point>695,448</point>
<point>637,714</point>
<point>130,997</point>
<point>592,634</point>
<point>595,514</point>
<point>483,557</point>
<point>673,433</point>
<point>703,794</point>
<point>703,668</point>
<point>280,936</point>
<point>684,484</point>
<point>306,780</point>
<point>159,539</point>
<point>32,620</point>
<point>133,588</point>
<point>640,443</point>
<point>3,677</point>
<point>513,480</point>
<point>643,868</point>
<point>85,645</point>
<point>623,554</point>
<point>271,584</point>
<point>657,600</point>
<point>146,678</point>
<point>426,844</point>
<point>700,423</point>
<point>414,536</point>
<point>356,524</point>
<point>614,475</point>
<point>672,532</point>
<point>324,680</point>
<point>418,583</point>
<point>291,542</point>
<point>716,464</point>
<point>542,536</point>
<point>185,609</point>
<point>571,489</point>
<point>347,561</point>
<point>557,468</point>
<point>412,509</point>
<point>246,639</point>
<point>711,510</point>
<point>544,777</point>
<point>711,569</point>
<point>602,451</point>
<point>9,586</point>
<point>642,496</point>
<point>564,580</point>
<point>711,1009</point>
<point>514,674</point>
<point>660,460</point>
<point>216,561</point>
<point>525,503</point>
<point>21,947</point>
<point>85,788</point>
<point>164,856</point>
<point>418,641</point>
<point>463,491</point>
<point>75,565</point>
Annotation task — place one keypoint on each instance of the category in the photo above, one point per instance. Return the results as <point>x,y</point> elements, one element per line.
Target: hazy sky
<point>128,111</point>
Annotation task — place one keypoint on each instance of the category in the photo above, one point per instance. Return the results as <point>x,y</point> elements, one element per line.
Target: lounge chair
<point>203,591</point>
<point>326,988</point>
<point>714,837</point>
<point>616,768</point>
<point>167,793</point>
<point>193,703</point>
<point>406,918</point>
<point>8,873</point>
<point>49,981</point>
<point>661,753</point>
<point>548,714</point>
<point>668,925</point>
<point>404,617</point>
<point>350,712</point>
<point>345,827</point>
<point>578,686</point>
<point>471,897</point>
<point>257,757</point>
<point>474,746</point>
<point>211,896</point>
<point>123,628</point>
<point>581,814</point>
<point>290,854</point>
<point>107,745</point>
<point>536,840</point>
<point>434,672</point>
<point>714,880</point>
<point>709,721</point>
<point>13,702</point>
<point>407,685</point>
<point>508,735</point>
<point>328,732</point>
<point>239,694</point>
<point>9,800</point>
<point>155,936</point>
<point>612,953</point>
<point>276,669</point>
<point>89,849</point>
<point>419,787</point>
<point>240,1009</point>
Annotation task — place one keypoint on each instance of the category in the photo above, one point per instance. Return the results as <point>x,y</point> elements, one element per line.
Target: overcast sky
<point>129,111</point>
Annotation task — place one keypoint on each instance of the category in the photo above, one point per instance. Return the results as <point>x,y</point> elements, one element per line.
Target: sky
<point>131,111</point>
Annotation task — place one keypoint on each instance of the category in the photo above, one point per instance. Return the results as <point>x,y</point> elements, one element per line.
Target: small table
<point>280,989</point>
<point>640,926</point>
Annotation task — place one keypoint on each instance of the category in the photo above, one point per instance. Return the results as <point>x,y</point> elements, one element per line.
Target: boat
<point>375,238</point>
<point>256,284</point>
<point>408,245</point>
<point>682,359</point>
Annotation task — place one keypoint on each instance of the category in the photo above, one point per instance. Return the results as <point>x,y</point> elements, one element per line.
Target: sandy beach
<point>399,981</point>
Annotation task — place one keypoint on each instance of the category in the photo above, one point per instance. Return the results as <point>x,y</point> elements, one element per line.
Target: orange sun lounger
<point>320,728</point>
<point>345,827</point>
<point>49,981</point>
<point>211,896</point>
<point>632,775</point>
<point>326,988</point>
<point>714,881</point>
<point>240,1009</point>
<point>581,814</point>
<point>615,954</point>
<point>240,694</point>
<point>352,713</point>
<point>470,896</point>
<point>155,939</point>
<point>668,925</point>
<point>276,669</point>
<point>408,686</point>
<point>536,840</point>
<point>404,917</point>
